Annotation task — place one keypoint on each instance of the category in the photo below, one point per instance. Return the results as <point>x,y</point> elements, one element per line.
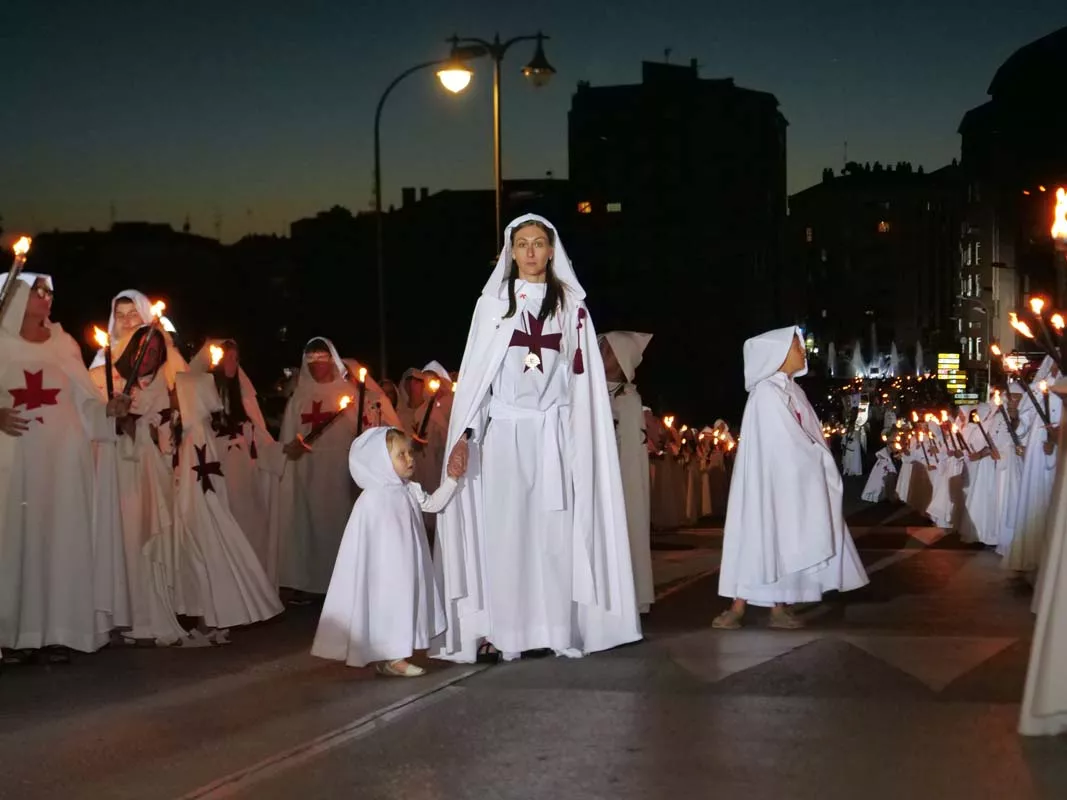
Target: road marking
<point>241,780</point>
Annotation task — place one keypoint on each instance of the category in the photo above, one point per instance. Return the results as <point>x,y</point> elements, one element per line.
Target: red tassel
<point>579,361</point>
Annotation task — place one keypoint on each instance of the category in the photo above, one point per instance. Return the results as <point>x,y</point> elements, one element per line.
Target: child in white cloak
<point>383,602</point>
<point>785,539</point>
<point>880,481</point>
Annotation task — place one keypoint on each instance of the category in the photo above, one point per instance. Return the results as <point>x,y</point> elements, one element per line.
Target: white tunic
<point>383,602</point>
<point>53,563</point>
<point>629,418</point>
<point>785,539</point>
<point>1044,705</point>
<point>1027,545</point>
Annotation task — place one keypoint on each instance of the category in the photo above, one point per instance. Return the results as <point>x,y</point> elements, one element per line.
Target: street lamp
<point>454,76</point>
<point>538,71</point>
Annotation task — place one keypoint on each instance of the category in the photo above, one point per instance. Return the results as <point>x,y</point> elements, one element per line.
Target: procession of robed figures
<point>146,501</point>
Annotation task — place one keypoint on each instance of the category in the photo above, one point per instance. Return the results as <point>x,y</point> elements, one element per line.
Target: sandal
<point>487,654</point>
<point>728,620</point>
<point>54,654</point>
<point>14,658</point>
<point>784,619</point>
<point>390,669</point>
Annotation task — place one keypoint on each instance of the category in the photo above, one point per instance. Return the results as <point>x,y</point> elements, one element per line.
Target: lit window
<point>808,235</point>
<point>614,208</point>
<point>585,207</point>
<point>883,227</point>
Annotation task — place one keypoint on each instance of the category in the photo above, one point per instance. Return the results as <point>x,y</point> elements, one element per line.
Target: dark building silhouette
<point>874,256</point>
<point>681,187</point>
<point>1014,156</point>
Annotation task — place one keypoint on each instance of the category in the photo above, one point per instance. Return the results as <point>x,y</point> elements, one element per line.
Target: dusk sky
<point>262,112</point>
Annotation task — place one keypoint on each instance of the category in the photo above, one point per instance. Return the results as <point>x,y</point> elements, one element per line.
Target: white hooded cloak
<point>58,571</point>
<point>785,539</point>
<point>534,551</point>
<point>627,411</point>
<point>383,602</point>
<point>221,578</point>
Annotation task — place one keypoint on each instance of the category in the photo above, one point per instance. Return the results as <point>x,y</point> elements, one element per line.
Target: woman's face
<point>612,371</point>
<point>796,360</point>
<point>127,318</point>
<point>321,366</point>
<point>39,306</point>
<point>230,362</point>
<point>531,250</point>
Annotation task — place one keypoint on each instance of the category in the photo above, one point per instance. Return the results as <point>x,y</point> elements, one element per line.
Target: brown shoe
<point>783,619</point>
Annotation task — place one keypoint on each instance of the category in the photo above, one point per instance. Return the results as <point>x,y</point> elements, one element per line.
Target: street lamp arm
<point>495,49</point>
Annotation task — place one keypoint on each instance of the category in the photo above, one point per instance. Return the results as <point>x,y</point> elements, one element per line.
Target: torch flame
<point>1043,386</point>
<point>668,421</point>
<point>158,308</point>
<point>22,246</point>
<point>1057,321</point>
<point>955,428</point>
<point>1037,305</point>
<point>944,415</point>
<point>921,436</point>
<point>929,418</point>
<point>362,374</point>
<point>100,336</point>
<point>455,385</point>
<point>975,417</point>
<point>216,354</point>
<point>434,385</point>
<point>995,350</point>
<point>996,398</point>
<point>914,416</point>
<point>1020,326</point>
<point>344,402</point>
<point>684,428</point>
<point>1059,225</point>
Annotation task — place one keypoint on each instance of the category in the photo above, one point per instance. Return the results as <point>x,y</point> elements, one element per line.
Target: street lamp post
<point>454,68</point>
<point>539,71</point>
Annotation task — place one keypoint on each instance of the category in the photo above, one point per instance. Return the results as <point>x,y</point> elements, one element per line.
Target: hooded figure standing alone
<point>785,539</point>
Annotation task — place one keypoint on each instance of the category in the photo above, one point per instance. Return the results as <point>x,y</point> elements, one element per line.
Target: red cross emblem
<point>536,339</point>
<point>34,395</point>
<point>316,416</point>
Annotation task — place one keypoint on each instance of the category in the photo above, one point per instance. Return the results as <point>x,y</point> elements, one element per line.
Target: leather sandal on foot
<point>784,620</point>
<point>487,654</point>
<point>391,669</point>
<point>728,620</point>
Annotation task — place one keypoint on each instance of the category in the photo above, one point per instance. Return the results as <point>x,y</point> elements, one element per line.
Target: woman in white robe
<point>54,564</point>
<point>384,603</point>
<point>130,309</point>
<point>221,579</point>
<point>982,507</point>
<point>534,550</point>
<point>785,539</point>
<point>145,484</point>
<point>1023,553</point>
<point>252,461</point>
<point>315,494</point>
<point>622,352</point>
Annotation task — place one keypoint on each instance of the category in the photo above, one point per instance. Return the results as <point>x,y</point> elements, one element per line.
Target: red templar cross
<point>34,395</point>
<point>316,416</point>
<point>536,339</point>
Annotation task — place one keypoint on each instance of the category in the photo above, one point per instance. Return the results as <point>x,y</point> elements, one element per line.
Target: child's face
<point>403,458</point>
<point>796,360</point>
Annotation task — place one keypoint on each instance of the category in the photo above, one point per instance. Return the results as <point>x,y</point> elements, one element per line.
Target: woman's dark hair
<point>124,363</point>
<point>553,301</point>
<point>230,389</point>
<point>317,345</point>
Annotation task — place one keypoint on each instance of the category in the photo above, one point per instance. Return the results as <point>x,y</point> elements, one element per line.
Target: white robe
<point>983,508</point>
<point>146,502</point>
<point>534,552</point>
<point>1044,705</point>
<point>633,461</point>
<point>852,459</point>
<point>316,493</point>
<point>383,602</point>
<point>53,564</point>
<point>1027,545</point>
<point>879,482</point>
<point>253,463</point>
<point>222,579</point>
<point>785,539</point>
